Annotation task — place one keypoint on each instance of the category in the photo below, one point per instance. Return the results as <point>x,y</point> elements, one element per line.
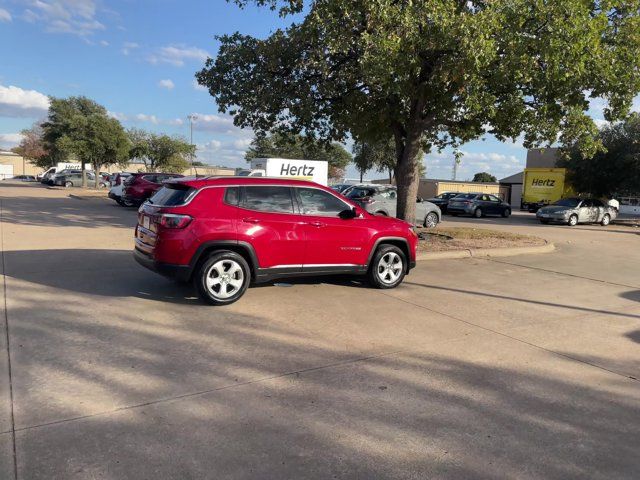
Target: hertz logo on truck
<point>543,182</point>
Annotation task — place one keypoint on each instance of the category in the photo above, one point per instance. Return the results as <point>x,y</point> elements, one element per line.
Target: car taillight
<point>172,220</point>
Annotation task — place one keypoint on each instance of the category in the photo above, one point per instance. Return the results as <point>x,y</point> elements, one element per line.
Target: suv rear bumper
<point>181,273</point>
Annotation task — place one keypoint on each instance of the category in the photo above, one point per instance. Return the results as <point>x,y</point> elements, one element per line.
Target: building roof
<point>515,178</point>
<point>5,153</point>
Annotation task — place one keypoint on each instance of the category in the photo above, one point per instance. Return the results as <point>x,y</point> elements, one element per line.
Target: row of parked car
<point>133,189</point>
<point>381,200</point>
<point>73,178</point>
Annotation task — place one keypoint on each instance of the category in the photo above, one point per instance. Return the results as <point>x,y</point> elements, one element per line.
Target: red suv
<point>225,232</point>
<point>140,186</point>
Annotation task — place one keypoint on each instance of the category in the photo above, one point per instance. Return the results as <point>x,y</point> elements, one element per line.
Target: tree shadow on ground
<point>67,212</point>
<point>229,395</point>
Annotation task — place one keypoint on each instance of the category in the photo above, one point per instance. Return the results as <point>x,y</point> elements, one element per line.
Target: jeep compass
<point>223,233</point>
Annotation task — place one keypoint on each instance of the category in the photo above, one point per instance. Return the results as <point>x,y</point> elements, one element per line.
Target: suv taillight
<point>172,220</point>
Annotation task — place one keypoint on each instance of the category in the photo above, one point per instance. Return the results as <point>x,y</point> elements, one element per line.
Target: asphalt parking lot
<point>518,367</point>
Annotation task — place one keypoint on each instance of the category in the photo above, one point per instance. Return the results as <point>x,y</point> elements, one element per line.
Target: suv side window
<point>493,199</point>
<point>151,178</point>
<point>268,199</point>
<point>318,202</point>
<point>587,203</point>
<point>232,196</point>
<point>597,203</point>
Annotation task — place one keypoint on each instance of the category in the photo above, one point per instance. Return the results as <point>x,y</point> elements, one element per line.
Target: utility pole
<point>192,117</point>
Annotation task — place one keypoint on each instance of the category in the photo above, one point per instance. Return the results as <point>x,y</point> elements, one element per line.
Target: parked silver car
<point>381,200</point>
<point>573,211</point>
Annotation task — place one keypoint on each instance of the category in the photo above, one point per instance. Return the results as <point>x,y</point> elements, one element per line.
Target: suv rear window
<point>171,195</point>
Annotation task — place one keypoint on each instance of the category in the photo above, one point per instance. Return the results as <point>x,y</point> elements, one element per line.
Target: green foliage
<point>432,73</point>
<point>484,177</point>
<point>613,170</point>
<point>288,145</point>
<point>80,126</point>
<point>32,147</point>
<point>378,155</point>
<point>160,152</point>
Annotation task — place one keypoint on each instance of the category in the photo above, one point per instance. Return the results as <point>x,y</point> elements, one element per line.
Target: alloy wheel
<point>389,268</point>
<point>225,279</point>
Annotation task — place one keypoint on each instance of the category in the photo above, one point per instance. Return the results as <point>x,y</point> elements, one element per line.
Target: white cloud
<point>5,16</point>
<point>177,55</point>
<point>77,17</point>
<point>118,116</point>
<point>198,87</point>
<point>175,121</point>
<point>242,144</point>
<point>128,46</point>
<point>168,84</point>
<point>143,117</point>
<point>440,165</point>
<point>17,102</point>
<point>10,140</point>
<point>104,43</point>
<point>213,123</point>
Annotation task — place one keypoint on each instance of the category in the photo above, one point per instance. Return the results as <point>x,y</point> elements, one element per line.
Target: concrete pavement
<point>520,367</point>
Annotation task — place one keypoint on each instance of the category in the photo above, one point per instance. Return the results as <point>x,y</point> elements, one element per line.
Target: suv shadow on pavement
<point>114,273</point>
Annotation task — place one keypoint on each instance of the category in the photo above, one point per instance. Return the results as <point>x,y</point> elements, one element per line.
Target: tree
<point>287,145</point>
<point>431,73</point>
<point>32,147</point>
<point>484,177</point>
<point>160,151</point>
<point>380,155</point>
<point>613,170</point>
<point>82,127</point>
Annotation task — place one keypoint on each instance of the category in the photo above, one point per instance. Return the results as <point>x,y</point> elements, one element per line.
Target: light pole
<point>192,117</point>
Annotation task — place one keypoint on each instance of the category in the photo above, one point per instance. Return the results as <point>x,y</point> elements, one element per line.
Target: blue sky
<point>138,59</point>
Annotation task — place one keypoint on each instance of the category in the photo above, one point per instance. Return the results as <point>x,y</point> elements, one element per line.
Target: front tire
<point>222,278</point>
<point>573,220</point>
<point>68,184</point>
<point>506,213</point>
<point>388,267</point>
<point>605,220</point>
<point>431,220</point>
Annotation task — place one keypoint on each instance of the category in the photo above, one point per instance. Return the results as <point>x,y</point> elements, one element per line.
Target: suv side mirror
<point>348,214</point>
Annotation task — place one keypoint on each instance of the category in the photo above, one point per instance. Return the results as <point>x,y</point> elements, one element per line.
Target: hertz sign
<point>543,185</point>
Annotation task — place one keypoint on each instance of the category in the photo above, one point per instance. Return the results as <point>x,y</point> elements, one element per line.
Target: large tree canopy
<point>82,127</point>
<point>613,170</point>
<point>431,72</point>
<point>288,145</point>
<point>484,177</point>
<point>160,152</point>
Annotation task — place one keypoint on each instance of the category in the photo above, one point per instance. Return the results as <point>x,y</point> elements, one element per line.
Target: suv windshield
<point>568,202</point>
<point>171,195</point>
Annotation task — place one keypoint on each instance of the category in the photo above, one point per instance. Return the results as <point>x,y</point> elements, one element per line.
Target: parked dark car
<point>478,205</point>
<point>22,178</point>
<point>442,200</point>
<point>140,186</point>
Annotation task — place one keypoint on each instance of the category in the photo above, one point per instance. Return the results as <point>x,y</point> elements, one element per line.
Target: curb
<point>486,252</point>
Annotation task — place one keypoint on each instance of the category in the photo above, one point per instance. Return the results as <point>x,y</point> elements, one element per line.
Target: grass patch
<point>441,239</point>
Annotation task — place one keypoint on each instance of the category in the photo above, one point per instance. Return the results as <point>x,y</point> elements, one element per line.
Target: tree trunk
<point>390,175</point>
<point>361,175</point>
<point>84,173</point>
<point>409,153</point>
<point>96,172</point>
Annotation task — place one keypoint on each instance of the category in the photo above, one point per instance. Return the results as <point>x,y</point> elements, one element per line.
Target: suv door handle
<point>316,224</point>
<point>250,220</point>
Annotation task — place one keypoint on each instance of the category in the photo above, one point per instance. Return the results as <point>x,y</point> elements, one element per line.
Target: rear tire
<point>222,278</point>
<point>388,267</point>
<point>68,184</point>
<point>431,220</point>
<point>381,214</point>
<point>573,220</point>
<point>605,220</point>
<point>477,212</point>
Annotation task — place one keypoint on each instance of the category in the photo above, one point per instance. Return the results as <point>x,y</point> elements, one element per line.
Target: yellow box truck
<point>542,186</point>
